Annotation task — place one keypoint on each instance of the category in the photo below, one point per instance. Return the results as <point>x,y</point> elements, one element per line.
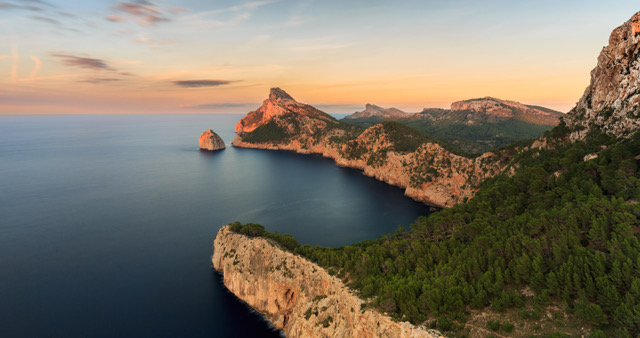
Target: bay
<point>107,222</point>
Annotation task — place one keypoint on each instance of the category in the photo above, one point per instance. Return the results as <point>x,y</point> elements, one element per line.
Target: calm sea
<point>107,222</point>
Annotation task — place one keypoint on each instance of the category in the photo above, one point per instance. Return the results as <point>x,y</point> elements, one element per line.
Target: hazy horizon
<point>200,57</point>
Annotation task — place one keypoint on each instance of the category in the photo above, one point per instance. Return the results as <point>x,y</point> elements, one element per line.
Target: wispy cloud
<point>39,2</point>
<point>66,14</point>
<point>145,12</point>
<point>216,105</point>
<point>36,66</point>
<point>100,80</point>
<point>11,6</point>
<point>114,18</point>
<point>83,62</point>
<point>46,19</point>
<point>177,10</point>
<point>16,60</point>
<point>201,83</point>
<point>154,43</point>
<point>233,15</point>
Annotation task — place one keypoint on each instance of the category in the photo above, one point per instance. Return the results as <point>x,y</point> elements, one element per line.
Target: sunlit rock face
<point>430,174</point>
<point>296,295</point>
<point>611,102</point>
<point>508,109</point>
<point>209,140</point>
<point>371,110</point>
<point>279,103</point>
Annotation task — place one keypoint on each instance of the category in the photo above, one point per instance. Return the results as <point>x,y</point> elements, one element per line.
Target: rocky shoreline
<point>443,193</point>
<point>296,295</point>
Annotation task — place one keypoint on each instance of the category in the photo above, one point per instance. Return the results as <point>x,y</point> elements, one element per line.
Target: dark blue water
<point>107,222</point>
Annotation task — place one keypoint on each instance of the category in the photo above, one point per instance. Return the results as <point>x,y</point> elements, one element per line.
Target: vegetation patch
<point>268,132</point>
<point>256,230</point>
<point>573,240</point>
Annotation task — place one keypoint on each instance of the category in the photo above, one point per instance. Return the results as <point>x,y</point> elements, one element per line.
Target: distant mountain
<point>372,110</point>
<point>475,125</point>
<point>489,109</point>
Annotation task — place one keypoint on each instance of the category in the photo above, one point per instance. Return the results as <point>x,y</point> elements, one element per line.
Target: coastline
<point>439,194</point>
<point>296,295</point>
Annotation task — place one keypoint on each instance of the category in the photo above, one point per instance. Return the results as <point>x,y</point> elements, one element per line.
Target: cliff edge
<point>389,151</point>
<point>611,102</point>
<point>296,295</point>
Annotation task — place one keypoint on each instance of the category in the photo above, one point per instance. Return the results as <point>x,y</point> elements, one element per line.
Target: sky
<point>209,56</point>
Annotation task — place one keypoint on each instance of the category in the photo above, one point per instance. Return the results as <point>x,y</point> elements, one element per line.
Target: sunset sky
<point>197,56</point>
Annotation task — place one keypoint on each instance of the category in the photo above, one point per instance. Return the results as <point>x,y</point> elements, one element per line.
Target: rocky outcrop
<point>279,103</point>
<point>296,295</point>
<point>209,140</point>
<point>430,173</point>
<point>372,110</point>
<point>504,109</point>
<point>611,102</point>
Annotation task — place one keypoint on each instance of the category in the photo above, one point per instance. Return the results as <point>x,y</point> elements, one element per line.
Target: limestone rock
<point>431,174</point>
<point>504,109</point>
<point>209,140</point>
<point>279,103</point>
<point>611,102</point>
<point>296,295</point>
<point>372,110</point>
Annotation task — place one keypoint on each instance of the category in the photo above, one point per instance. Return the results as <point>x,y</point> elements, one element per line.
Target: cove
<point>108,221</point>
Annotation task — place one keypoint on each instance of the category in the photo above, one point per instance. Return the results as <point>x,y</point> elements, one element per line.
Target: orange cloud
<point>36,66</point>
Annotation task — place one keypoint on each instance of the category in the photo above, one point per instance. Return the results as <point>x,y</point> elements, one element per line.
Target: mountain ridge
<point>372,110</point>
<point>429,170</point>
<point>474,125</point>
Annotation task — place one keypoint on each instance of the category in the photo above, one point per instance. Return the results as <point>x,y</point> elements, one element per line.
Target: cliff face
<point>279,103</point>
<point>611,102</point>
<point>209,140</point>
<point>429,173</point>
<point>296,295</point>
<point>375,111</point>
<point>504,109</point>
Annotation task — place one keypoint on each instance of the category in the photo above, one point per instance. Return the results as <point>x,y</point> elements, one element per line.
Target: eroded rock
<point>209,140</point>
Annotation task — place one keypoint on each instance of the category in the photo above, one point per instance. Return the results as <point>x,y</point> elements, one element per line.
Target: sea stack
<point>209,140</point>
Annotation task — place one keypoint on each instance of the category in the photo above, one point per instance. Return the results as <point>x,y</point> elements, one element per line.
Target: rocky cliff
<point>278,104</point>
<point>504,109</point>
<point>209,140</point>
<point>389,151</point>
<point>475,126</point>
<point>371,110</point>
<point>296,295</point>
<point>611,102</point>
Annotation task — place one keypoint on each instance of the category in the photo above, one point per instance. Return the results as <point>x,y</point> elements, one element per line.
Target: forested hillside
<point>562,232</point>
<point>559,238</point>
<point>475,126</point>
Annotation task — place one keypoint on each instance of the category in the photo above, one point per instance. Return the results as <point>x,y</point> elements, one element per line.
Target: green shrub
<point>493,325</point>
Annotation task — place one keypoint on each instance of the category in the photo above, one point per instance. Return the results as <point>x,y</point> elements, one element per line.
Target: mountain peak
<point>611,102</point>
<point>279,103</point>
<point>277,94</point>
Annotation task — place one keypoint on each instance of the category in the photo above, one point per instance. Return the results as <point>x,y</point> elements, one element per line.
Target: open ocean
<point>107,222</point>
